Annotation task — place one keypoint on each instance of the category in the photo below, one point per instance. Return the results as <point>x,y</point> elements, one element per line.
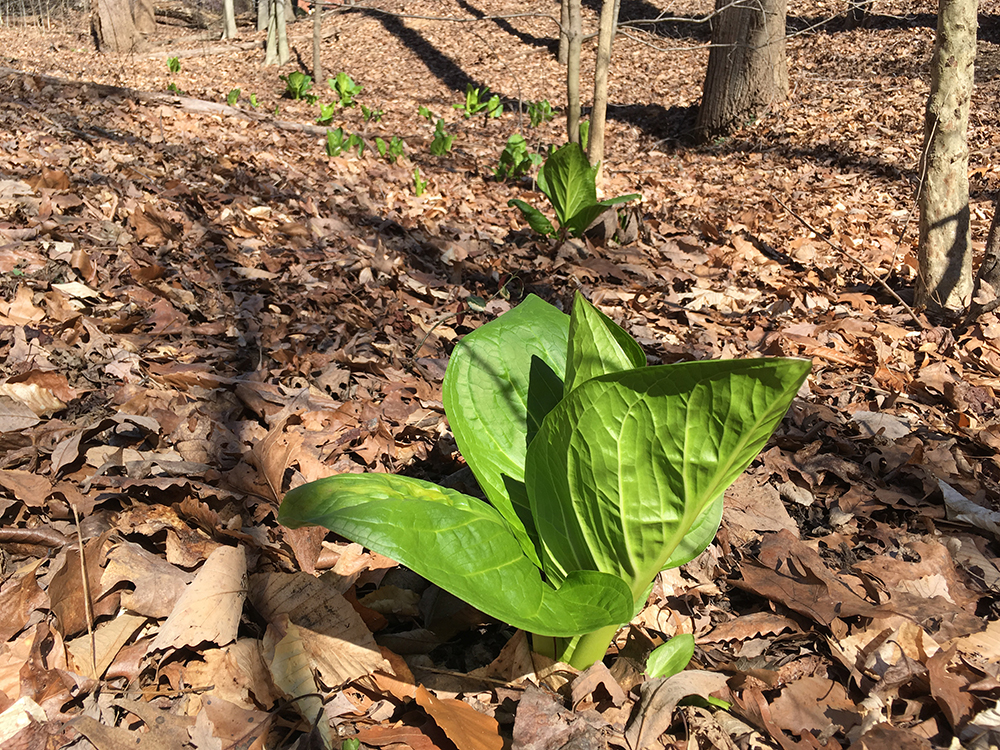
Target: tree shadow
<point>551,43</point>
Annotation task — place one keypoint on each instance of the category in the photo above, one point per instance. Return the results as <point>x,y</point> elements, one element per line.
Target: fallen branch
<point>187,103</point>
<point>856,260</point>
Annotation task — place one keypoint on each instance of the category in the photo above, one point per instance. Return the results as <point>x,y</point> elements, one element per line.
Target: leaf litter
<point>199,310</point>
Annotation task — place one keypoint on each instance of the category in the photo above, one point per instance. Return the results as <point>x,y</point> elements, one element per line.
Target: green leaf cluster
<point>516,160</point>
<point>570,184</point>
<point>232,97</point>
<point>599,472</point>
<point>174,64</point>
<point>297,85</point>
<point>326,113</point>
<point>337,141</point>
<point>441,144</point>
<point>391,150</point>
<point>479,100</point>
<point>345,89</point>
<point>372,114</point>
<point>419,184</point>
<point>539,112</point>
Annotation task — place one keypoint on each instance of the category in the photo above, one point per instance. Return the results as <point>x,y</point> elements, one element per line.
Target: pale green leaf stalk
<point>598,472</point>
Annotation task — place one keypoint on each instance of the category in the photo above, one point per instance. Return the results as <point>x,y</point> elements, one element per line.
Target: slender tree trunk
<point>277,35</point>
<point>563,32</point>
<point>944,283</point>
<point>317,42</point>
<point>986,294</point>
<point>113,27</point>
<point>598,116</point>
<point>228,19</point>
<point>574,31</point>
<point>747,67</point>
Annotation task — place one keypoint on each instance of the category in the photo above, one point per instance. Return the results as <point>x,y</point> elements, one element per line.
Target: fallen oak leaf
<point>660,698</point>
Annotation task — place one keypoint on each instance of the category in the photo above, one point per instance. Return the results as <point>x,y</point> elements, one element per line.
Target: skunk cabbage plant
<point>598,472</point>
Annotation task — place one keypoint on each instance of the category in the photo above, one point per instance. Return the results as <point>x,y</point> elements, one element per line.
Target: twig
<point>88,609</point>
<point>857,260</point>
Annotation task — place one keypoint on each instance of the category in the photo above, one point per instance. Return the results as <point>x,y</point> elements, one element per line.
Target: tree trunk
<point>574,32</point>
<point>598,116</point>
<point>263,14</point>
<point>228,19</point>
<point>747,68</point>
<point>317,41</point>
<point>563,32</point>
<point>986,294</point>
<point>144,16</point>
<point>944,283</point>
<point>277,35</point>
<point>113,27</point>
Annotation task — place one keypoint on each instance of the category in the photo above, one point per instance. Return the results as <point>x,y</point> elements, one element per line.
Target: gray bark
<point>598,116</point>
<point>114,28</point>
<point>747,67</point>
<point>574,33</point>
<point>944,282</point>
<point>228,19</point>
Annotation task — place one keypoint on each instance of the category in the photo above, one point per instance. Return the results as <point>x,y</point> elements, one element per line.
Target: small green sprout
<point>441,144</point>
<point>232,97</point>
<point>174,65</point>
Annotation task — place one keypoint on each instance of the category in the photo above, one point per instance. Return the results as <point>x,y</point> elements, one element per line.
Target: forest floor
<point>201,309</point>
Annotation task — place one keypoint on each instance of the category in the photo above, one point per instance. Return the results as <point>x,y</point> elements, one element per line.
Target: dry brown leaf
<point>209,610</point>
<point>340,646</point>
<point>655,713</point>
<point>461,723</point>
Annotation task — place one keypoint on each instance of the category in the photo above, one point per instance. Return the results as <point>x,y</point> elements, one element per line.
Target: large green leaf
<point>597,345</point>
<point>568,181</point>
<point>535,218</point>
<point>460,543</point>
<point>503,378</point>
<point>579,222</point>
<point>627,463</point>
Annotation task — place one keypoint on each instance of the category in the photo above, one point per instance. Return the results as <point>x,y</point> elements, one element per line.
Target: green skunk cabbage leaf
<point>699,536</point>
<point>535,218</point>
<point>460,543</point>
<point>597,345</point>
<point>670,658</point>
<point>501,381</point>
<point>626,463</point>
<point>568,181</point>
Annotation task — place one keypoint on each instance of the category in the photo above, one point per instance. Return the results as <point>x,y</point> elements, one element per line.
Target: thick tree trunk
<point>944,283</point>
<point>228,19</point>
<point>574,32</point>
<point>114,28</point>
<point>598,116</point>
<point>747,68</point>
<point>144,16</point>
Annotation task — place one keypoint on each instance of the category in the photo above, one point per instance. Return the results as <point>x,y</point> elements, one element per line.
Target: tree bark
<point>986,293</point>
<point>228,19</point>
<point>574,33</point>
<point>317,41</point>
<point>144,16</point>
<point>114,28</point>
<point>277,35</point>
<point>747,67</point>
<point>563,32</point>
<point>598,115</point>
<point>944,283</point>
<point>263,14</point>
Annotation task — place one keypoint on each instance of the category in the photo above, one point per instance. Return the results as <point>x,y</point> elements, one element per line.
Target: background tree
<point>277,35</point>
<point>574,35</point>
<point>945,254</point>
<point>228,19</point>
<point>114,28</point>
<point>144,17</point>
<point>598,115</point>
<point>747,68</point>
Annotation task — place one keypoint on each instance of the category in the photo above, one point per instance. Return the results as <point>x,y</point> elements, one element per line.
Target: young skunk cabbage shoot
<point>598,472</point>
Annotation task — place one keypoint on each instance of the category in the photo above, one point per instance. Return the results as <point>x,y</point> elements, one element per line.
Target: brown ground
<point>200,309</point>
